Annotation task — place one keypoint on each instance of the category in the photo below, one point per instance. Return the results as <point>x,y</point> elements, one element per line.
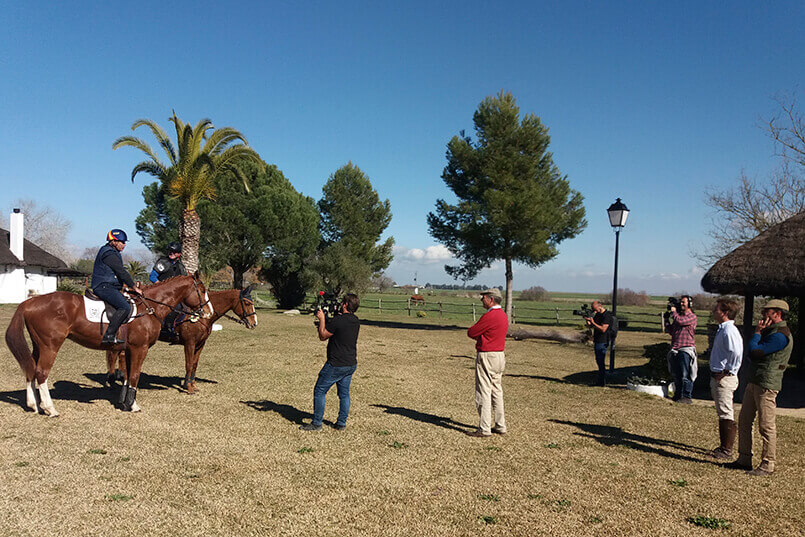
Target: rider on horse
<point>167,267</point>
<point>108,277</point>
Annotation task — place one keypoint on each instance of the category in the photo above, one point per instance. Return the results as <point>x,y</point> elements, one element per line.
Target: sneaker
<point>338,427</point>
<point>685,401</point>
<point>499,431</point>
<point>477,434</point>
<point>310,427</point>
<point>720,454</point>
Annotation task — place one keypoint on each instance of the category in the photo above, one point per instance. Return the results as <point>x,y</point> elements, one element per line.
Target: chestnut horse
<point>193,335</point>
<point>54,317</point>
<point>417,299</point>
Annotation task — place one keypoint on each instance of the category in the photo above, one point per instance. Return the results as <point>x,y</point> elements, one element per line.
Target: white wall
<point>18,283</point>
<point>12,284</point>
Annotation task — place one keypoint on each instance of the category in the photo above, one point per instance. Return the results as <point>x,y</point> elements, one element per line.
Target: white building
<point>25,268</point>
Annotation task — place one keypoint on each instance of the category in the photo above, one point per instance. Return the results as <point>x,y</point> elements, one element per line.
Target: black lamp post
<point>618,212</point>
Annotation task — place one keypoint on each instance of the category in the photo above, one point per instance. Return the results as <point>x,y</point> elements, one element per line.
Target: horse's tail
<point>15,339</point>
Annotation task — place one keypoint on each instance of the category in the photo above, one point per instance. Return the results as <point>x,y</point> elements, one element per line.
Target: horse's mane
<point>157,285</point>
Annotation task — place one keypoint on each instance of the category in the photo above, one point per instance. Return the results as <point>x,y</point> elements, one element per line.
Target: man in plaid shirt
<point>682,358</point>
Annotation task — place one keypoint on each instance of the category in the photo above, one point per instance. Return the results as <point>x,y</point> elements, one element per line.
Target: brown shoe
<point>685,401</point>
<point>720,454</point>
<point>477,434</point>
<point>737,465</point>
<point>762,471</point>
<point>498,431</point>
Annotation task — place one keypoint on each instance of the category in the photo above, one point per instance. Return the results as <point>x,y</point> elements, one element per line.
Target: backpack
<point>612,329</point>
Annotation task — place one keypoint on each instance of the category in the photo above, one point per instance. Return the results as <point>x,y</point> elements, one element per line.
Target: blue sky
<point>648,101</point>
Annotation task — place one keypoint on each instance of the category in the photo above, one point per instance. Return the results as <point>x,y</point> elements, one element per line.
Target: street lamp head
<point>618,212</point>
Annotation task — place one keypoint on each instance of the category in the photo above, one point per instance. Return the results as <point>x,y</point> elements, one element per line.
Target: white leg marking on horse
<point>30,398</point>
<point>135,407</point>
<point>46,401</point>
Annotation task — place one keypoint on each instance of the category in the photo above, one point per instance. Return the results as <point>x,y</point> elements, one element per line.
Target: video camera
<point>674,302</point>
<point>584,311</point>
<point>327,302</point>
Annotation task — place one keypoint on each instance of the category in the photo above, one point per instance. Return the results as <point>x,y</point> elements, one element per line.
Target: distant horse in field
<point>417,300</point>
<point>54,317</point>
<point>193,335</point>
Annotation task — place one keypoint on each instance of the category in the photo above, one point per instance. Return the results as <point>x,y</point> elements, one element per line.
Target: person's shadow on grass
<point>424,417</point>
<point>616,436</point>
<point>290,413</point>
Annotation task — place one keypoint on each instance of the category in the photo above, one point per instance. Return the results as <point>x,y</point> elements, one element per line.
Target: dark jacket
<point>164,268</point>
<point>108,269</point>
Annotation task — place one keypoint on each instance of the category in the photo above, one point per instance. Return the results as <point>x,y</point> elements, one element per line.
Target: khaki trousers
<point>722,395</point>
<point>489,368</point>
<point>763,402</point>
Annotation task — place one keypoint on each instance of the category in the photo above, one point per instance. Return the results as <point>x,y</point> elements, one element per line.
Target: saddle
<point>98,311</point>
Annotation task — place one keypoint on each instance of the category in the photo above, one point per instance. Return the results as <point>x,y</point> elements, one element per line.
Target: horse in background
<point>54,317</point>
<point>193,335</point>
<point>417,300</point>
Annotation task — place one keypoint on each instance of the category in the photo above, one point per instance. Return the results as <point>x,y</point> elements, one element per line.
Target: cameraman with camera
<point>600,323</point>
<point>341,334</point>
<point>682,357</point>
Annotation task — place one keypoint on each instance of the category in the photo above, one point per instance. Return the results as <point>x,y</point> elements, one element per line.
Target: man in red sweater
<point>489,334</point>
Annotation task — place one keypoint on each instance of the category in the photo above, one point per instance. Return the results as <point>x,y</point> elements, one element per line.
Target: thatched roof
<point>32,255</point>
<point>771,264</point>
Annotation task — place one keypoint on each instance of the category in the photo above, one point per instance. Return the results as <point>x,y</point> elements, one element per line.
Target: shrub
<point>534,293</point>
<point>627,297</point>
<point>70,287</point>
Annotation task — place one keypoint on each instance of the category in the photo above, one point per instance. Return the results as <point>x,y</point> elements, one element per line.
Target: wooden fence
<point>521,313</point>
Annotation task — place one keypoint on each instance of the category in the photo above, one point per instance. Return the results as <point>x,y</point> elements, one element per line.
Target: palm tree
<point>137,270</point>
<point>193,163</point>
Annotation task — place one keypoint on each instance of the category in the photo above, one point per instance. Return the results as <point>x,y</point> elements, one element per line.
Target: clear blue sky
<point>647,101</point>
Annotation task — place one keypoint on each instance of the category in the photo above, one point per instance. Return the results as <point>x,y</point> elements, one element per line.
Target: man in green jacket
<point>769,349</point>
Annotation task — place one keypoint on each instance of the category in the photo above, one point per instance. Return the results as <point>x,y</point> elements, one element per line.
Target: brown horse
<point>54,317</point>
<point>417,299</point>
<point>193,335</point>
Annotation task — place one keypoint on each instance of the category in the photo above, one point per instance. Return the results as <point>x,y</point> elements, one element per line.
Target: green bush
<point>71,287</point>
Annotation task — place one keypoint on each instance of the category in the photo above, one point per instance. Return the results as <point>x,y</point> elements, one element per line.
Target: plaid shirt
<point>682,329</point>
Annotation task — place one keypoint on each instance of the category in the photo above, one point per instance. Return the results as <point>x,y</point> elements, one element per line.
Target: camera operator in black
<point>341,334</point>
<point>600,323</point>
<point>169,266</point>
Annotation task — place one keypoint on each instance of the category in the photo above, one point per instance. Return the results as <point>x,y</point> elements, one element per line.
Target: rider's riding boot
<point>168,332</point>
<point>109,338</point>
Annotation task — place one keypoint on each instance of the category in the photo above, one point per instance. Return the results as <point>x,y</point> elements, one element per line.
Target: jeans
<point>113,297</point>
<point>329,375</point>
<point>683,375</point>
<point>600,359</point>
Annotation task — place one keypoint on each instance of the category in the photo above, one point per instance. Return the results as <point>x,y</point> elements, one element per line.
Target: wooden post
<point>473,312</point>
<point>557,316</point>
<point>514,313</point>
<point>662,324</point>
<point>409,306</point>
<point>440,309</point>
<point>379,305</point>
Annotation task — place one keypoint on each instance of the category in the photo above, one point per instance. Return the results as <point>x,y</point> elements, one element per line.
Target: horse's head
<point>245,308</point>
<point>198,299</point>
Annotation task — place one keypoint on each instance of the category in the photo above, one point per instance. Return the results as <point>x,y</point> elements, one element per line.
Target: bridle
<point>199,311</point>
<point>243,319</point>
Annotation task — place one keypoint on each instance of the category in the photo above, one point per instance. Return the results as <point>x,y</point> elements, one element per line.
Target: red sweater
<point>490,331</point>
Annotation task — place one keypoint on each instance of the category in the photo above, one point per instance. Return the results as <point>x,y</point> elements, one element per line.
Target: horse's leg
<point>111,358</point>
<point>47,355</point>
<point>189,351</point>
<point>134,363</point>
<point>196,356</point>
<point>30,398</point>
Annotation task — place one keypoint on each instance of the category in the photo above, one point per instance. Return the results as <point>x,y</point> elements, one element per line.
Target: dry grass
<point>231,461</point>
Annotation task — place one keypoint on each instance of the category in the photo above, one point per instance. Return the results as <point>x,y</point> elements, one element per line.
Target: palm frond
<point>200,130</point>
<point>150,167</point>
<point>160,135</point>
<point>220,138</point>
<point>132,141</point>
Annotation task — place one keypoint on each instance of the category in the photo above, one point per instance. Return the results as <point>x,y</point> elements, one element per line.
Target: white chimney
<point>16,233</point>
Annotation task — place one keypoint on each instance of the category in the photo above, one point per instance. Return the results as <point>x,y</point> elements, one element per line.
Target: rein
<point>198,311</point>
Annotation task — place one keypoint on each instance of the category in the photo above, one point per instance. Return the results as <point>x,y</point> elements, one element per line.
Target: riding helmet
<point>117,235</point>
<point>174,248</point>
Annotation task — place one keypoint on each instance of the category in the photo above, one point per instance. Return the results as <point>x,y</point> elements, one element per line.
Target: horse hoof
<point>135,407</point>
<point>50,412</point>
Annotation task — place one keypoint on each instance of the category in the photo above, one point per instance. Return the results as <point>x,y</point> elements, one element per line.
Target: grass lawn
<point>231,461</point>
